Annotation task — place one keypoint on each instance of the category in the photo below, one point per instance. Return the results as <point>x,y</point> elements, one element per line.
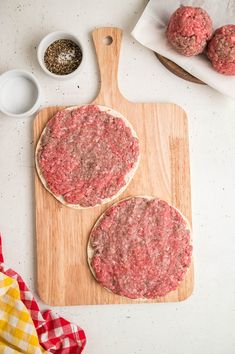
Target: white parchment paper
<point>150,32</point>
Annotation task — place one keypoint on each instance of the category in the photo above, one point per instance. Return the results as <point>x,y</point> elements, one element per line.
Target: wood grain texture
<point>62,233</point>
<point>177,70</point>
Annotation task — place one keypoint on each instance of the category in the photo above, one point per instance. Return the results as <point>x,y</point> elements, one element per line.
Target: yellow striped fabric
<point>17,331</point>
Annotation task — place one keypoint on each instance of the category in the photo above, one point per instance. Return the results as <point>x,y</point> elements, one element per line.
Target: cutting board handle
<point>107,41</point>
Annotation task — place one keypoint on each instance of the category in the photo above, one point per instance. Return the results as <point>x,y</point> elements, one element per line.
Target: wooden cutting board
<point>62,233</point>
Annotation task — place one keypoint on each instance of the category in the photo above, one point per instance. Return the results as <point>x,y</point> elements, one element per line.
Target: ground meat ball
<point>85,155</point>
<point>189,29</point>
<point>141,248</point>
<point>221,50</point>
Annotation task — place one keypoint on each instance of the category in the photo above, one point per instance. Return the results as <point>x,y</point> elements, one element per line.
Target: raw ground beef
<point>221,50</point>
<point>85,155</point>
<point>140,248</point>
<point>189,29</point>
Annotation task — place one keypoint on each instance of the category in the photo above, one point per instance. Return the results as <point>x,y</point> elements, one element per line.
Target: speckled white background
<point>205,322</point>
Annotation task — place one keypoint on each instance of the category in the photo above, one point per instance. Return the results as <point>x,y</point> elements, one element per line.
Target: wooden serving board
<point>177,70</point>
<point>62,233</point>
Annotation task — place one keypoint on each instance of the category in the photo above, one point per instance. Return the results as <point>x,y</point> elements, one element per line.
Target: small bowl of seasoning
<point>20,93</point>
<point>60,55</point>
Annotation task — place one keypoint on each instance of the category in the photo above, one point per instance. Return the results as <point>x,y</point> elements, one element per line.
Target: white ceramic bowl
<point>20,93</point>
<point>44,44</point>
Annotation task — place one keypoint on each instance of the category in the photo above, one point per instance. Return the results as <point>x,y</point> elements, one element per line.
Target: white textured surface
<point>205,322</point>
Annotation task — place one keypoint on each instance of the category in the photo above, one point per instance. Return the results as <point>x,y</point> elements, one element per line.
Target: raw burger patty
<point>87,155</point>
<point>140,248</point>
<point>189,29</point>
<point>221,50</point>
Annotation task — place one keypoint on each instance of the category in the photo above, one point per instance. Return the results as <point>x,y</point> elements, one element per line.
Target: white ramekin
<point>44,44</point>
<point>20,93</point>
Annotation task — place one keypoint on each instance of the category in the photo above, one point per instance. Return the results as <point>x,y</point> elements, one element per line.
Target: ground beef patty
<point>87,155</point>
<point>221,50</point>
<point>140,248</point>
<point>189,29</point>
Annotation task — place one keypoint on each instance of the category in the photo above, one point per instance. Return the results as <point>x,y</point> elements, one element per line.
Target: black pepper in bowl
<point>62,57</point>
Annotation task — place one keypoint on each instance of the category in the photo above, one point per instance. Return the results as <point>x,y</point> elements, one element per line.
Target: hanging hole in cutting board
<point>108,40</point>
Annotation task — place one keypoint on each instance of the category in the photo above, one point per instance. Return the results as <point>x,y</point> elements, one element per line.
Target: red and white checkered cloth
<point>55,334</point>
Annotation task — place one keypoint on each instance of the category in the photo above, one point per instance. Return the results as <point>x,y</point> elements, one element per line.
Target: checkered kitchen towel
<point>55,334</point>
<point>17,331</point>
